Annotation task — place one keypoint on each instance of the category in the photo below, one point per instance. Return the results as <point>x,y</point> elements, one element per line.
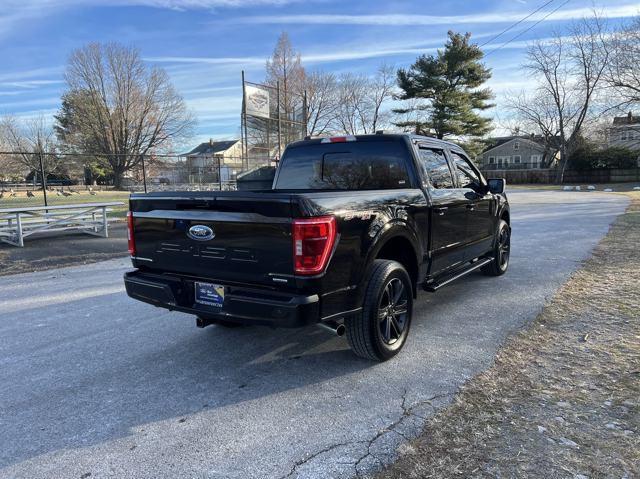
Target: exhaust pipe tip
<point>333,327</point>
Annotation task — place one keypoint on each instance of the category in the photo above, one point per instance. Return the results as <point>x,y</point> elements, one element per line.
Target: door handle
<point>471,206</point>
<point>441,210</point>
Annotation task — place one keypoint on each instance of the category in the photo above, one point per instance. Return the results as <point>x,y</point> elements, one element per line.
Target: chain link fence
<point>84,178</point>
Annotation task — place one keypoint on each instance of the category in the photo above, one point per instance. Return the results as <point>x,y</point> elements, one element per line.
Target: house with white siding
<point>625,132</point>
<point>212,161</point>
<point>515,152</point>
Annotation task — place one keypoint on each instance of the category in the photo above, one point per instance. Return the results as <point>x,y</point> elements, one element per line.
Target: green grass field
<point>21,200</point>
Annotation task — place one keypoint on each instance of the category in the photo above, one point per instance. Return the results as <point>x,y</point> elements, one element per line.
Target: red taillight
<point>130,239</point>
<point>313,241</point>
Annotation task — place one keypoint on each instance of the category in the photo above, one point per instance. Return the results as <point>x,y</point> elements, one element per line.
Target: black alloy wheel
<point>392,311</point>
<point>501,251</point>
<point>380,331</point>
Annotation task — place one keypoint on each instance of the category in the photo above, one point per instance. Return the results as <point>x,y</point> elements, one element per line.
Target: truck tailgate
<point>251,235</point>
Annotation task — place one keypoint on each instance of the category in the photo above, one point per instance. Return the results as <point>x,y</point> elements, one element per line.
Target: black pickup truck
<point>352,228</point>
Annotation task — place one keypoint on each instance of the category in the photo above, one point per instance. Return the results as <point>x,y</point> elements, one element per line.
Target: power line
<point>511,27</point>
<point>528,29</point>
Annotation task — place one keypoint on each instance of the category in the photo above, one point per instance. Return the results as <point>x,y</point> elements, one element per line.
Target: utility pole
<point>279,120</point>
<point>144,174</point>
<point>44,179</point>
<point>305,114</point>
<point>243,126</point>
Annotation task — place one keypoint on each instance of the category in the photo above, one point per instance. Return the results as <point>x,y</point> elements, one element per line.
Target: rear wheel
<point>381,329</point>
<point>501,251</point>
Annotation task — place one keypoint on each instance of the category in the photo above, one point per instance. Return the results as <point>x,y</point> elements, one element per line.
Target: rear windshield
<point>358,165</point>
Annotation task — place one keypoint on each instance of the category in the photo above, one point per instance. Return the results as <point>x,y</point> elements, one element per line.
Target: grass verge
<point>563,397</point>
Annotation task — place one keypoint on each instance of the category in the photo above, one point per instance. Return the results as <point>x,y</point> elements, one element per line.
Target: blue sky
<point>204,44</point>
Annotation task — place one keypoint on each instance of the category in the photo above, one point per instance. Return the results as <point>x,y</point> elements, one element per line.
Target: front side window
<point>436,168</point>
<point>517,159</point>
<point>467,177</point>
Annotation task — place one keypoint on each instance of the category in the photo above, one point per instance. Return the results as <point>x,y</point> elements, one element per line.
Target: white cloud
<point>37,102</point>
<point>208,60</point>
<point>328,55</point>
<point>31,84</point>
<point>31,76</point>
<point>14,13</point>
<point>413,19</point>
<point>47,114</point>
<point>198,4</point>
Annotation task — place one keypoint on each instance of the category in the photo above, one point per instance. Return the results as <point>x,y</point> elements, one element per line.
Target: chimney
<point>630,117</point>
<point>210,141</point>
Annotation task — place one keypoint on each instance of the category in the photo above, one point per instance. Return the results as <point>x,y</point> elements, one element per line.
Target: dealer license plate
<point>210,294</point>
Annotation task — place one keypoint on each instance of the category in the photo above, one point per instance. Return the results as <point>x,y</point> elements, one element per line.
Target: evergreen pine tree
<point>447,87</point>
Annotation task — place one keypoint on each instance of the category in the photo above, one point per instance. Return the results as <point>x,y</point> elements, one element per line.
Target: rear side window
<point>358,165</point>
<point>436,167</point>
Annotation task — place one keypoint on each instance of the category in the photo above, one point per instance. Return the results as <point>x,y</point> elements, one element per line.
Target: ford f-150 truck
<point>351,230</point>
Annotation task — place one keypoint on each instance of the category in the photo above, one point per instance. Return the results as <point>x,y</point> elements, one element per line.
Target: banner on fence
<point>256,101</point>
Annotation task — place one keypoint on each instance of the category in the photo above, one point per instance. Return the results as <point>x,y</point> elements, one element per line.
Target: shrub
<point>585,157</point>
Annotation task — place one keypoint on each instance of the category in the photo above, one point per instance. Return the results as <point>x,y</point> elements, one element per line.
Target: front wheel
<point>381,329</point>
<point>501,251</point>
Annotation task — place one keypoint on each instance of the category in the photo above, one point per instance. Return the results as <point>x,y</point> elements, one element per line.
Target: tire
<point>501,251</point>
<point>381,329</point>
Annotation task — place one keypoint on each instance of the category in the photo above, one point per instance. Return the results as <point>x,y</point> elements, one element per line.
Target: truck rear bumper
<point>241,304</point>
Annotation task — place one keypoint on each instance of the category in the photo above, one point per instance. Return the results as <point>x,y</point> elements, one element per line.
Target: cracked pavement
<point>95,383</point>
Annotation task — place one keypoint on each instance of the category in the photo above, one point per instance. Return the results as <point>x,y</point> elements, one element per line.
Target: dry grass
<point>563,398</point>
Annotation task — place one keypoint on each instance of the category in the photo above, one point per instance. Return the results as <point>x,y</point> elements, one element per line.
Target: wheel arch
<point>399,246</point>
<point>505,214</point>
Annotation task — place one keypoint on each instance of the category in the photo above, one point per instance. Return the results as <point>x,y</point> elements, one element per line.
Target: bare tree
<point>118,108</point>
<point>623,77</point>
<point>569,71</point>
<point>382,89</point>
<point>537,114</point>
<point>353,115</point>
<point>623,68</point>
<point>362,101</point>
<point>285,69</point>
<point>32,145</point>
<point>322,102</point>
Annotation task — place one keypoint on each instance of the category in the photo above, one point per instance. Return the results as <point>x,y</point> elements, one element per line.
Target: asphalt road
<point>94,384</point>
<point>53,250</point>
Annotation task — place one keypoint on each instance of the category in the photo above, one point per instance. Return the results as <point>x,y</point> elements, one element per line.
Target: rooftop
<point>210,147</point>
<point>499,141</point>
<point>629,119</point>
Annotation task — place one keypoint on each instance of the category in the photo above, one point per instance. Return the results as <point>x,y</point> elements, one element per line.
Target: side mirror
<point>497,185</point>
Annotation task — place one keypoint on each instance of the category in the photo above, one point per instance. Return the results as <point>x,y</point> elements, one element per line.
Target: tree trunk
<point>562,166</point>
<point>118,176</point>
